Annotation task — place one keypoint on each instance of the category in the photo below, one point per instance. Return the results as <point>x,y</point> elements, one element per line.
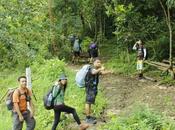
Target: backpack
<point>72,40</point>
<point>80,76</point>
<point>9,98</point>
<point>76,46</point>
<point>93,46</point>
<point>141,53</point>
<point>49,99</point>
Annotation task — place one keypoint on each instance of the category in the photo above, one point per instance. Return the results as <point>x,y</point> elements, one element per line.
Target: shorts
<point>93,53</point>
<point>140,65</point>
<point>91,94</point>
<point>76,53</point>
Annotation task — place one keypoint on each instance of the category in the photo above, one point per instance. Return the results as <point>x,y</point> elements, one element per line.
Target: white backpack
<point>80,76</point>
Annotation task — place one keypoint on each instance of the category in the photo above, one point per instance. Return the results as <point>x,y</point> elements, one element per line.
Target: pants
<point>63,108</point>
<point>91,93</point>
<point>140,65</point>
<point>17,124</point>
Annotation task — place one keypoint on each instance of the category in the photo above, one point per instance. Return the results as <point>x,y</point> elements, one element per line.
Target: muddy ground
<point>124,93</point>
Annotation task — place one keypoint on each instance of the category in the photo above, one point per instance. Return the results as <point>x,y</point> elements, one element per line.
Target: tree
<point>166,10</point>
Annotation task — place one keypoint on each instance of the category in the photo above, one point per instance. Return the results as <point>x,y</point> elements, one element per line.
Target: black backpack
<point>49,99</point>
<point>141,53</point>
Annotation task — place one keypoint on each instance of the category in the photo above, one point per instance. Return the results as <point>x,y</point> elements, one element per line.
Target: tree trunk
<point>82,21</point>
<point>168,21</point>
<point>171,46</point>
<point>52,32</point>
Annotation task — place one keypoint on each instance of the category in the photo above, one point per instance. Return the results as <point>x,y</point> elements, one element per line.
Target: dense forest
<point>37,34</point>
<point>34,30</point>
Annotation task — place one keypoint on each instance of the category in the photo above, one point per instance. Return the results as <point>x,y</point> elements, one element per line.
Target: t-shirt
<point>19,96</point>
<point>92,80</point>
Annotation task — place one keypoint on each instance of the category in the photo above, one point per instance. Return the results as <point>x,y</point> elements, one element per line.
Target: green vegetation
<point>44,75</point>
<point>141,118</point>
<point>36,33</point>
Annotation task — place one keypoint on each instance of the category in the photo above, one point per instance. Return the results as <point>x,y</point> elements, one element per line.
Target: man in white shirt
<point>141,56</point>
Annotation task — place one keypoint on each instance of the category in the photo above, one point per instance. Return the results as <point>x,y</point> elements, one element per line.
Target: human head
<point>97,63</point>
<point>63,79</point>
<point>22,81</point>
<point>140,43</point>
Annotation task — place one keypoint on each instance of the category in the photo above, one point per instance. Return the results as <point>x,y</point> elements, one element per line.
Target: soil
<point>123,93</point>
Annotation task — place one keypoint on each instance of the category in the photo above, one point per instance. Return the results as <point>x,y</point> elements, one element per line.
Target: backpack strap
<point>28,98</point>
<point>57,92</point>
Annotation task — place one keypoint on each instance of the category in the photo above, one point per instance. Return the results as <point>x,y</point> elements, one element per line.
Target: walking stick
<point>3,96</point>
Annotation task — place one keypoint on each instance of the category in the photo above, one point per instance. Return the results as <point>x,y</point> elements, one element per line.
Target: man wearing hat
<point>59,106</point>
<point>141,56</point>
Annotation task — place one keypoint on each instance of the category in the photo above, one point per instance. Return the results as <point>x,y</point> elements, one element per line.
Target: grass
<point>44,76</point>
<point>140,118</point>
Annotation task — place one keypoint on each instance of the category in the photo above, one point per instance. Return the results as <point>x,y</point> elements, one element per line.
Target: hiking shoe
<point>84,126</point>
<point>90,121</point>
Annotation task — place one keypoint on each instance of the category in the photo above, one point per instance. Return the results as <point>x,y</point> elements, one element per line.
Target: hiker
<point>72,40</point>
<point>141,56</point>
<point>91,86</point>
<point>20,113</point>
<point>76,50</point>
<point>93,51</point>
<point>59,106</point>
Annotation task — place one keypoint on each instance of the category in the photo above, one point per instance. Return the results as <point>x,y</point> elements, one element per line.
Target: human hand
<point>102,68</point>
<point>31,114</point>
<point>21,118</point>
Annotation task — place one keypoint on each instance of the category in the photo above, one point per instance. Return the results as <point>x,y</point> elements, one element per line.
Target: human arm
<point>96,71</point>
<point>145,53</point>
<point>32,109</point>
<point>31,105</point>
<point>16,104</point>
<point>135,47</point>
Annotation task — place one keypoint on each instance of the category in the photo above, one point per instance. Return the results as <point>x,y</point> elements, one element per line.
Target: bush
<point>43,75</point>
<point>142,118</point>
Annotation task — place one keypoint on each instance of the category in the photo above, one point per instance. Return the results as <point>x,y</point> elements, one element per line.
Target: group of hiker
<point>77,50</point>
<point>22,112</point>
<point>93,52</point>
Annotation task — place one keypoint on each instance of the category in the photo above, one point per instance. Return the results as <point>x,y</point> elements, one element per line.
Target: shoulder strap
<point>57,92</point>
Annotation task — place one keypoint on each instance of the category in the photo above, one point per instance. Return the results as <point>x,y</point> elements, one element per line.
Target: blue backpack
<point>80,76</point>
<point>48,99</point>
<point>76,46</point>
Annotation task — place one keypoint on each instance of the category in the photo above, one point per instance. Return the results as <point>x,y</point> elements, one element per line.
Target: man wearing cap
<point>141,56</point>
<point>59,106</point>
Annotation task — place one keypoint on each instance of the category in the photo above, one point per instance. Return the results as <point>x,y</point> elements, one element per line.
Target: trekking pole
<point>34,96</point>
<point>4,96</point>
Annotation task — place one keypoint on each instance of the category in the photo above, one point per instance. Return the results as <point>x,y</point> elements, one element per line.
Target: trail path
<point>123,93</point>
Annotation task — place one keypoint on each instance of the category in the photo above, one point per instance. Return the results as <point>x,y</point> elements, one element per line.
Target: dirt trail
<point>123,93</point>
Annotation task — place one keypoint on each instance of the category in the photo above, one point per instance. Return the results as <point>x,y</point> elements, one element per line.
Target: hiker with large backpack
<point>93,51</point>
<point>141,57</point>
<point>20,112</point>
<point>59,106</point>
<point>76,50</point>
<point>91,87</point>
